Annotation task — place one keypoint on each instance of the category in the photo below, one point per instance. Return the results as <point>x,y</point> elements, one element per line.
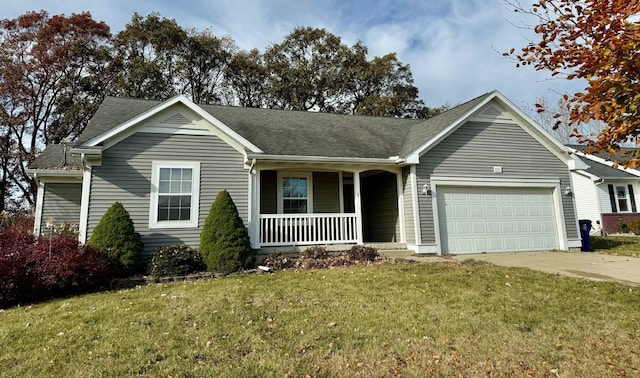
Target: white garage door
<point>488,219</point>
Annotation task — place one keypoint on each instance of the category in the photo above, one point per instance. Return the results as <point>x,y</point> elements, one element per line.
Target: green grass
<point>446,319</point>
<point>616,245</point>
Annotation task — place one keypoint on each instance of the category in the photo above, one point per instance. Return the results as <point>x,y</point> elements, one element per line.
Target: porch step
<point>387,246</point>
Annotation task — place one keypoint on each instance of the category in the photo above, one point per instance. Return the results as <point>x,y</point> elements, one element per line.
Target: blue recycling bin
<point>585,228</point>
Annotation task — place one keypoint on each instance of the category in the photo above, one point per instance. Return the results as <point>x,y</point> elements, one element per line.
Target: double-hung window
<point>294,192</point>
<point>175,192</point>
<point>622,200</point>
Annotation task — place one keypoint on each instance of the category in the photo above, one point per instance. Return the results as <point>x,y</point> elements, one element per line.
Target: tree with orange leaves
<point>597,41</point>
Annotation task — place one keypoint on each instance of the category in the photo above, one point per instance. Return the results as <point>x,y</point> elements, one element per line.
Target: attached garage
<point>497,219</point>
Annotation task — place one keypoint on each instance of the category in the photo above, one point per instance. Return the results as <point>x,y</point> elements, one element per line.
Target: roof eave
<point>393,160</point>
<point>609,163</point>
<point>52,172</point>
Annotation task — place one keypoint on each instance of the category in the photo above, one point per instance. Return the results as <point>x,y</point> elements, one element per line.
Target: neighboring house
<point>604,194</point>
<point>481,177</point>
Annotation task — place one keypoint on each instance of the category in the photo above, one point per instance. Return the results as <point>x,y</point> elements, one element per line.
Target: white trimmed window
<point>622,199</point>
<point>175,193</point>
<point>294,193</point>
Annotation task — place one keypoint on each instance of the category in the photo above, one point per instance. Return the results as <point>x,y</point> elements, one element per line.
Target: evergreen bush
<point>176,260</point>
<point>116,238</point>
<point>224,240</point>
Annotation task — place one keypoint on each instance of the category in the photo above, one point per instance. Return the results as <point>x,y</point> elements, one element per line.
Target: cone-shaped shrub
<point>116,238</point>
<point>224,241</point>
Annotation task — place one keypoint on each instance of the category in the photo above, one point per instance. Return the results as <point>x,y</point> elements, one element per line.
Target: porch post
<point>37,222</point>
<point>400,190</point>
<point>84,203</point>
<point>254,208</point>
<point>358,205</point>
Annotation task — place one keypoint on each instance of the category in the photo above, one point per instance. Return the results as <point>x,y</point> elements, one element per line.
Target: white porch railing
<point>301,229</point>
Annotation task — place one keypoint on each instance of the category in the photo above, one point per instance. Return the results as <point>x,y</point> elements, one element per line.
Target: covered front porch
<point>297,206</point>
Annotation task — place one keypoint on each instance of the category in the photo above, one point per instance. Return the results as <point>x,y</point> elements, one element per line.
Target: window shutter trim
<point>612,198</point>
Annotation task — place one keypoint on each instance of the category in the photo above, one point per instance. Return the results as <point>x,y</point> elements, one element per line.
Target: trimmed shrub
<point>224,240</point>
<point>116,238</point>
<point>314,253</point>
<point>634,227</point>
<point>176,260</point>
<point>362,253</point>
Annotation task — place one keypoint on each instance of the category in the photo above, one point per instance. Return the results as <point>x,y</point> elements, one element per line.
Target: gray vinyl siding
<point>61,202</point>
<point>474,149</point>
<point>268,192</point>
<point>125,176</point>
<point>407,194</point>
<point>380,208</point>
<point>326,192</point>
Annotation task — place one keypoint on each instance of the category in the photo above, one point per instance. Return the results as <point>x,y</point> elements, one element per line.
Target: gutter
<point>54,172</point>
<point>393,160</point>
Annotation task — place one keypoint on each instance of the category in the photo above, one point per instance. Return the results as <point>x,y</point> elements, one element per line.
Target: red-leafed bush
<point>62,265</point>
<point>48,268</point>
<point>15,248</point>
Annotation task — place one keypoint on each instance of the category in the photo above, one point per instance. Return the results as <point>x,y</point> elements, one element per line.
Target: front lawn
<point>470,318</point>
<point>616,245</point>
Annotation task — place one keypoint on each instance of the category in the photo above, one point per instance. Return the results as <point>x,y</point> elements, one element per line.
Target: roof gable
<point>102,133</point>
<point>490,107</point>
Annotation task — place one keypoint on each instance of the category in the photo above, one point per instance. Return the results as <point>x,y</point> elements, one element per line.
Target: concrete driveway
<point>593,266</point>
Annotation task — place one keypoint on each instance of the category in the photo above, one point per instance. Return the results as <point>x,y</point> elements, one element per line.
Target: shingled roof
<point>604,171</point>
<point>112,112</point>
<point>53,157</point>
<point>285,132</point>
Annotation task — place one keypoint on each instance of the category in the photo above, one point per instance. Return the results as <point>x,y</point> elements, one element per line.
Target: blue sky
<point>453,46</point>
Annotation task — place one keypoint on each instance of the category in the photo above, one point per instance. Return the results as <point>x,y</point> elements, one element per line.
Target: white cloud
<point>453,46</point>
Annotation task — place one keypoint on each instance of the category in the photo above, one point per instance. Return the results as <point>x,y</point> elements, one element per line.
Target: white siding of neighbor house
<point>125,176</point>
<point>587,198</point>
<point>474,149</point>
<point>605,202</point>
<point>61,202</point>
